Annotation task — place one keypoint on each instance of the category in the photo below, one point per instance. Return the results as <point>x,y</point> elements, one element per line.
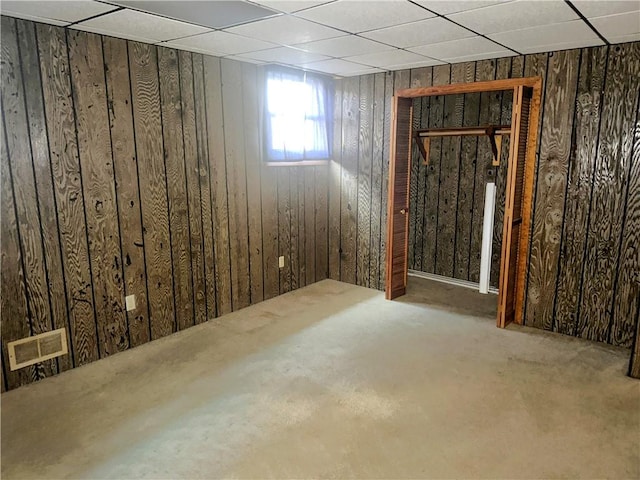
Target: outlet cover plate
<point>130,302</point>
<point>281,262</point>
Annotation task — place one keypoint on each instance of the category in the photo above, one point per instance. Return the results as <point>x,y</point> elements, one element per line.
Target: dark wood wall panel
<point>579,183</point>
<point>14,108</point>
<point>202,305</point>
<point>96,167</point>
<point>127,189</point>
<point>131,169</point>
<point>176,179</point>
<point>65,166</point>
<point>583,275</point>
<point>145,90</point>
<point>562,75</point>
<point>611,176</point>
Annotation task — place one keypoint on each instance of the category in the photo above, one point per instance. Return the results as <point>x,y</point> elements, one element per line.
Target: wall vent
<point>38,348</point>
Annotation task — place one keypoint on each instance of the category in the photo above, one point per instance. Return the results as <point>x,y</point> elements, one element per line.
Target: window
<point>297,117</point>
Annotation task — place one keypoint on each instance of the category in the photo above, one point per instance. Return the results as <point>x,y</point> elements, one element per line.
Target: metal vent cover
<point>38,348</point>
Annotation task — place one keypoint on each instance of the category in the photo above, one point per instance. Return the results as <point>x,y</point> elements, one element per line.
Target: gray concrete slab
<point>333,381</point>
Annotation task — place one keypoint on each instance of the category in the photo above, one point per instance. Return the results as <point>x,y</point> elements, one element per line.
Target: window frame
<point>328,84</point>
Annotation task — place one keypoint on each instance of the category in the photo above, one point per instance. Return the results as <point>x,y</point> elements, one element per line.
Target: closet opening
<point>458,151</point>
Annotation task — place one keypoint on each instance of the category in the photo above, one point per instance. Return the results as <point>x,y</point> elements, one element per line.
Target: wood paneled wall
<point>130,169</point>
<point>584,266</point>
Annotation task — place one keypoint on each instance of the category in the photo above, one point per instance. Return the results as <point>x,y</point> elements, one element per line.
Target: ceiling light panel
<point>446,7</point>
<point>591,8</point>
<point>290,6</point>
<point>355,17</point>
<point>288,55</point>
<point>60,13</point>
<point>286,30</point>
<point>432,30</point>
<point>389,59</point>
<point>219,43</point>
<point>344,46</point>
<point>478,47</point>
<point>515,15</point>
<point>559,36</point>
<point>139,26</point>
<point>218,14</point>
<point>623,27</point>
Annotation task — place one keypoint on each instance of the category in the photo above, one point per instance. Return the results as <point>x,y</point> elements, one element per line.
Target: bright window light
<point>297,114</point>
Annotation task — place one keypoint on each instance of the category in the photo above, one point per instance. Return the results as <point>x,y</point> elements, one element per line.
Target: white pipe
<point>487,237</point>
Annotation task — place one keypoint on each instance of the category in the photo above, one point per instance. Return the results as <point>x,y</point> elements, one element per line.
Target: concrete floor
<point>333,381</point>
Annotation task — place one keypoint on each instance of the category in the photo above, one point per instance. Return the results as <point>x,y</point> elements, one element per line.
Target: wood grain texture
<point>627,286</point>
<point>207,91</point>
<point>555,149</point>
<point>441,76</point>
<point>608,195</point>
<point>269,198</point>
<point>127,190</point>
<point>466,178</point>
<point>449,173</point>
<point>579,182</point>
<point>485,70</point>
<point>96,164</point>
<point>236,182</point>
<point>44,183</point>
<point>253,160</point>
<point>335,174</point>
<point>213,179</point>
<point>63,152</point>
<point>349,179</point>
<point>365,146</point>
<point>321,187</point>
<point>151,169</point>
<point>24,188</point>
<point>634,361</point>
<point>310,234</point>
<point>284,228</point>
<point>15,322</point>
<point>176,179</point>
<point>421,77</point>
<point>389,89</point>
<point>294,229</point>
<point>204,308</point>
<point>377,159</point>
<point>500,112</point>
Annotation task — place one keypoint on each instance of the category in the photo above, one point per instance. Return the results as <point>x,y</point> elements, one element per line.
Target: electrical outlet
<point>130,302</point>
<point>281,262</point>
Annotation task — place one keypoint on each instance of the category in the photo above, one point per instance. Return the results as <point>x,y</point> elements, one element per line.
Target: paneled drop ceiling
<point>349,37</point>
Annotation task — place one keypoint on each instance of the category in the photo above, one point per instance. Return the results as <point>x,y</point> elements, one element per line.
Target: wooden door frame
<point>535,83</point>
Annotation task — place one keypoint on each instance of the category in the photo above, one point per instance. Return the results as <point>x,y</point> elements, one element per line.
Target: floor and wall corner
<point>134,167</point>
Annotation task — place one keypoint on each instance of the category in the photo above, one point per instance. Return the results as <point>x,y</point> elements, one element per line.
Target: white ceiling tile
<point>291,56</point>
<point>61,12</point>
<point>423,32</point>
<point>217,14</point>
<point>617,25</point>
<point>625,38</point>
<point>219,43</point>
<point>336,66</point>
<point>427,62</point>
<point>246,60</point>
<point>479,56</point>
<point>33,18</point>
<point>286,30</point>
<point>290,6</point>
<point>388,59</point>
<point>139,26</point>
<point>600,8</point>
<point>559,36</point>
<point>360,16</point>
<point>515,15</point>
<point>476,46</point>
<point>446,7</point>
<point>344,46</point>
<point>368,71</point>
